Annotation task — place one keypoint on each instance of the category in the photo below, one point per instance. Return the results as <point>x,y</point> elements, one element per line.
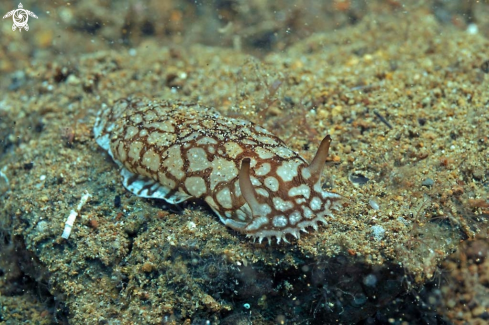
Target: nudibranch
<point>248,176</point>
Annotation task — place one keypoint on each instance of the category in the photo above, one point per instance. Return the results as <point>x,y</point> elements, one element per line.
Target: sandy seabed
<point>403,96</point>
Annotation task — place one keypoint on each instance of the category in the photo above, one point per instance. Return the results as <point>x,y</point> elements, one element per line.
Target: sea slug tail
<point>106,120</point>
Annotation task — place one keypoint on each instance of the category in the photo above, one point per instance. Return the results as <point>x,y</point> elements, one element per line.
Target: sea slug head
<point>296,202</point>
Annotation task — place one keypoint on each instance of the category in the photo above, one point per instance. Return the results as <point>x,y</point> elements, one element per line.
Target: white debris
<point>370,280</point>
<point>69,224</point>
<point>472,29</point>
<point>4,170</point>
<point>73,214</point>
<point>4,182</point>
<point>402,220</point>
<point>373,204</point>
<point>378,232</point>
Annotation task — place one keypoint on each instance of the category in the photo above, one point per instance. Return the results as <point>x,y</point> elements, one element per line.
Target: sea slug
<point>248,176</point>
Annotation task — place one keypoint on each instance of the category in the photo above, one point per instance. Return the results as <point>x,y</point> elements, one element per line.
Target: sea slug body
<point>248,176</point>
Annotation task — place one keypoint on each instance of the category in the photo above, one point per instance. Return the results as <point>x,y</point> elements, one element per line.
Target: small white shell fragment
<point>73,214</point>
<point>69,224</point>
<point>373,204</point>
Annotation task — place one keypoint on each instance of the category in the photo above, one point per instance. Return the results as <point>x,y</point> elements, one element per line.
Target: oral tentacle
<point>316,166</point>
<point>247,189</point>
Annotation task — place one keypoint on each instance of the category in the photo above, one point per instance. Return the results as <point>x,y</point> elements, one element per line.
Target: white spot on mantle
<point>288,170</point>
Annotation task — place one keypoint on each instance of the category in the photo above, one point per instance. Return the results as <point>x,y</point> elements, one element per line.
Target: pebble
<point>477,311</point>
<point>378,232</point>
<point>428,182</point>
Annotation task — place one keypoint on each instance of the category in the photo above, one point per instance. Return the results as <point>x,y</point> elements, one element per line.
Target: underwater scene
<point>244,162</point>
